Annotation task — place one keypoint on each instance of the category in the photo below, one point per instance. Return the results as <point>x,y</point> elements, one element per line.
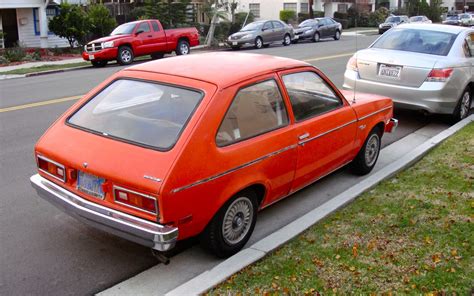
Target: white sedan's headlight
<point>380,26</point>
<point>107,44</point>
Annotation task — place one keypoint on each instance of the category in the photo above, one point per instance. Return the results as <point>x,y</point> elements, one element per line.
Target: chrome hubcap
<point>287,39</point>
<point>237,220</point>
<point>338,35</point>
<point>184,49</point>
<point>465,105</point>
<point>126,56</point>
<point>372,150</point>
<point>259,43</point>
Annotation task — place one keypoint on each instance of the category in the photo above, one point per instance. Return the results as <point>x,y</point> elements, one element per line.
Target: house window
<point>51,11</point>
<point>255,9</point>
<point>342,8</point>
<point>304,7</point>
<point>289,6</point>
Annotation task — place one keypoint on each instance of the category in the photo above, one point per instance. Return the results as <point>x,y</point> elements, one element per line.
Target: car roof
<point>435,27</point>
<point>222,68</point>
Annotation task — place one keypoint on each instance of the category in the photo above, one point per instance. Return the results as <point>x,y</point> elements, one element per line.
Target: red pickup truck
<point>146,37</point>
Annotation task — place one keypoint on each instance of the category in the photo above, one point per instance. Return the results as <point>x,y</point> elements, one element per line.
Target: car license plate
<point>91,57</point>
<point>234,43</point>
<point>390,71</point>
<point>90,184</point>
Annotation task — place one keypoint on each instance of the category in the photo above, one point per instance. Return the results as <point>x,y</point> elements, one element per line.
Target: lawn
<point>44,68</point>
<point>412,234</point>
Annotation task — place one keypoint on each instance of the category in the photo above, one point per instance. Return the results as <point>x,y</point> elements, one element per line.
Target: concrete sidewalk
<point>38,64</point>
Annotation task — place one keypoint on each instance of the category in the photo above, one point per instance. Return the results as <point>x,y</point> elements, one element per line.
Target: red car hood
<point>109,38</point>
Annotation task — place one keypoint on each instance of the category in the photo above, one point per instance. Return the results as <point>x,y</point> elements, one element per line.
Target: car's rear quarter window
<point>146,113</point>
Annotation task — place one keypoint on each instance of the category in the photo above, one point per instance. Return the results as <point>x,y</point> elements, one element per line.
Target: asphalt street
<point>45,252</point>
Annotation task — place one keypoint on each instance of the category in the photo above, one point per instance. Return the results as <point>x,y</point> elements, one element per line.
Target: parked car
<point>261,34</point>
<point>466,19</point>
<point>146,37</point>
<point>422,67</point>
<point>392,21</point>
<point>452,20</point>
<point>420,19</point>
<point>318,28</point>
<point>196,145</point>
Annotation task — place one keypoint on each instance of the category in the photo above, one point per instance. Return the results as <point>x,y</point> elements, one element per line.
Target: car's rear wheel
<point>368,154</point>
<point>337,36</point>
<point>464,106</point>
<point>258,43</point>
<point>287,40</point>
<point>183,47</point>
<point>157,55</point>
<point>232,226</point>
<point>316,37</point>
<point>125,55</point>
<point>99,64</point>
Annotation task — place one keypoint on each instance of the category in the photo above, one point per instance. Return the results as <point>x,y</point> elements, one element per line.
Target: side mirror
<point>139,31</point>
<point>264,29</point>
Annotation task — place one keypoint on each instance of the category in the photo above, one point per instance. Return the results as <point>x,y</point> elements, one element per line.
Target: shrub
<point>15,54</point>
<point>101,22</point>
<point>340,15</point>
<point>344,23</point>
<point>71,23</point>
<point>287,15</point>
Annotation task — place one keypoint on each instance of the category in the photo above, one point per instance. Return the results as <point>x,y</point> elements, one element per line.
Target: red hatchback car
<point>196,145</point>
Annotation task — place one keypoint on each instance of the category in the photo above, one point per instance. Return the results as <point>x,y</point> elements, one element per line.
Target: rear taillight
<point>51,168</point>
<point>135,200</point>
<point>439,75</point>
<point>352,64</point>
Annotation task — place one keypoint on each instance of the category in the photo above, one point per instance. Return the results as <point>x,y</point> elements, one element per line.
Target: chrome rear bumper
<point>146,233</point>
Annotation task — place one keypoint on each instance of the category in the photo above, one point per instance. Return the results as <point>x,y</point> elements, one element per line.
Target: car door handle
<point>303,136</point>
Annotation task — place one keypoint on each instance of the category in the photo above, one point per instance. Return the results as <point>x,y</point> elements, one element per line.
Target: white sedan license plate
<point>91,57</point>
<point>90,184</point>
<point>390,71</point>
<point>234,43</point>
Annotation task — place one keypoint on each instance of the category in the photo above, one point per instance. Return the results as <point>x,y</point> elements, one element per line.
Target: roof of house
<point>221,68</point>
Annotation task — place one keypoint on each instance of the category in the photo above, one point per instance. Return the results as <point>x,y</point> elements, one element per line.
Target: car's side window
<point>145,27</point>
<point>156,28</point>
<point>267,26</point>
<point>310,95</point>
<point>277,25</point>
<point>255,110</point>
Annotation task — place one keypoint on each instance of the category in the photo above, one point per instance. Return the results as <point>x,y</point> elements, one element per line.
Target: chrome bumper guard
<point>153,235</point>
<point>392,125</point>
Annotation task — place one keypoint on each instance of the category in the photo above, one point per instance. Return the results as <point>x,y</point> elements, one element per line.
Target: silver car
<point>420,19</point>
<point>261,34</point>
<point>421,67</point>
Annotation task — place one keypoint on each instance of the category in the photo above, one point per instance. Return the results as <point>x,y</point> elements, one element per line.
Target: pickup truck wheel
<point>183,48</point>
<point>125,55</point>
<point>157,55</point>
<point>368,154</point>
<point>464,105</point>
<point>232,226</point>
<point>99,64</point>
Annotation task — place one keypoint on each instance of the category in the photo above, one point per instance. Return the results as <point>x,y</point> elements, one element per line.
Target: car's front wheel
<point>368,154</point>
<point>258,42</point>
<point>99,64</point>
<point>287,40</point>
<point>183,47</point>
<point>464,105</point>
<point>337,36</point>
<point>125,55</point>
<point>232,226</point>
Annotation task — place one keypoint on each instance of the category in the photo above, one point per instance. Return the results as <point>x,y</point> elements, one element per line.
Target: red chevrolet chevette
<point>196,145</point>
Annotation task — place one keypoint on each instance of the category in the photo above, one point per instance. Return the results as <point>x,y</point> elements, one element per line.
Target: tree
<point>311,13</point>
<point>168,12</point>
<point>101,22</point>
<point>71,23</point>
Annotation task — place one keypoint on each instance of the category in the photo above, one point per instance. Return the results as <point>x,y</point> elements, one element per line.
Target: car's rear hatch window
<point>414,40</point>
<point>145,113</point>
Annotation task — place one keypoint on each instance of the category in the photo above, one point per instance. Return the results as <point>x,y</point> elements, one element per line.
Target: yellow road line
<point>55,101</point>
<point>37,104</point>
<point>329,57</point>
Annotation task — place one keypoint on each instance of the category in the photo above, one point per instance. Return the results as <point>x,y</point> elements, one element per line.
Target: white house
<point>25,22</point>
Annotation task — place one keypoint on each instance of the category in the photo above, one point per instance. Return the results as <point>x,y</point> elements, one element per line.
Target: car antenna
<point>357,74</point>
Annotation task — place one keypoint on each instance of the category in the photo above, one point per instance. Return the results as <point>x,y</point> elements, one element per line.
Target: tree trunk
<point>310,4</point>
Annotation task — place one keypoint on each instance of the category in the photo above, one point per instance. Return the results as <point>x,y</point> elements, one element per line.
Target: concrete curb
<point>227,268</point>
<point>13,76</point>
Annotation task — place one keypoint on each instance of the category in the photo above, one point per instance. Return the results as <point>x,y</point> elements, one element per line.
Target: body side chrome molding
<point>326,132</point>
<point>234,169</point>
<point>373,113</point>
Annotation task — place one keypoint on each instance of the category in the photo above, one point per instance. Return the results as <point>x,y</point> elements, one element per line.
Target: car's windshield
<point>144,113</point>
<point>453,17</point>
<point>307,23</point>
<point>464,16</point>
<point>252,26</point>
<point>393,19</point>
<point>414,40</point>
<point>124,29</point>
<point>416,18</point>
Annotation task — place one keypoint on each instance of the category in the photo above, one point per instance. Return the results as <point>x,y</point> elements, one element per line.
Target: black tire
<point>157,55</point>
<point>99,64</point>
<point>125,55</point>
<point>287,40</point>
<point>316,37</point>
<point>463,107</point>
<point>213,237</point>
<point>337,36</point>
<point>183,47</point>
<point>258,43</point>
<point>367,157</point>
